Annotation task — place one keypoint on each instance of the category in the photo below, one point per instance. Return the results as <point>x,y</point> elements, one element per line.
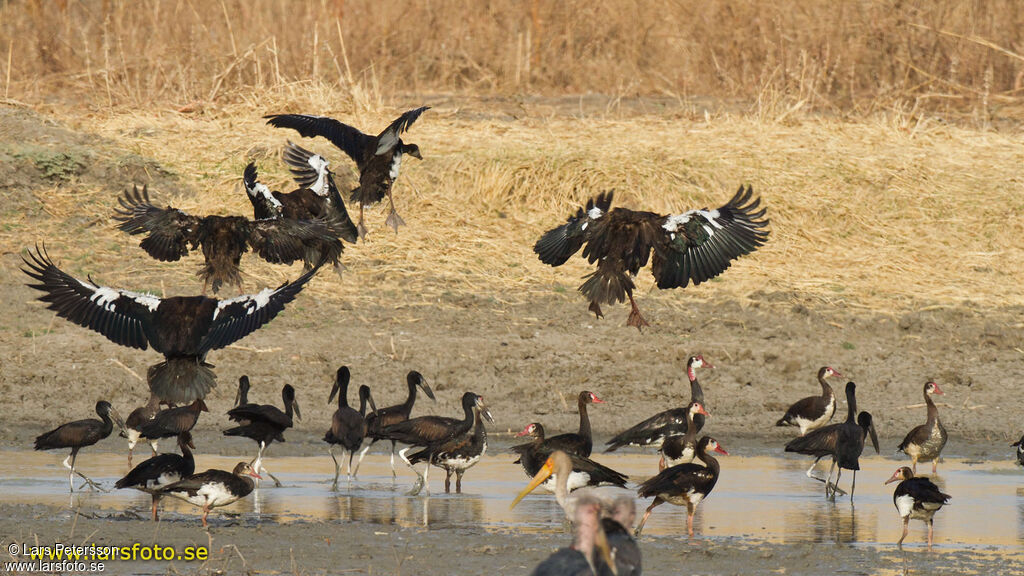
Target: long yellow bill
<point>544,474</point>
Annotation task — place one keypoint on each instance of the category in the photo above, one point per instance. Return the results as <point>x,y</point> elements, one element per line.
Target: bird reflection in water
<point>830,523</point>
<point>426,511</point>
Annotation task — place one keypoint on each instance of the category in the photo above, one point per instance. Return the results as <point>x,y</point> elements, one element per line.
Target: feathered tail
<point>181,380</point>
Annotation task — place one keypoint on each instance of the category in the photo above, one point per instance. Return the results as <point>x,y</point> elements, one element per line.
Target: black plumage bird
<point>653,431</point>
<point>173,421</point>
<point>378,158</point>
<point>348,426</point>
<point>214,488</point>
<point>696,246</point>
<point>813,412</point>
<point>844,442</point>
<point>916,498</point>
<point>317,199</point>
<point>391,415</point>
<point>171,234</point>
<point>182,328</point>
<point>459,450</point>
<point>582,471</point>
<point>1020,450</point>
<point>265,423</point>
<point>683,449</point>
<point>133,425</point>
<point>684,485</point>
<point>161,470</point>
<point>79,434</point>
<point>579,443</point>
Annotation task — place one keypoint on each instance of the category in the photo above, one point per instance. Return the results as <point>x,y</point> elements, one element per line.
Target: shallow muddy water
<point>761,498</point>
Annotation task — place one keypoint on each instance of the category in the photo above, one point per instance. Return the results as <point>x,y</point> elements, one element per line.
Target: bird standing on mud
<point>378,158</point>
<point>182,328</point>
<point>697,246</point>
<point>79,434</point>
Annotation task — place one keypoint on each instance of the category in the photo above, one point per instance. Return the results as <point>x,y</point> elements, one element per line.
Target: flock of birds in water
<point>311,224</point>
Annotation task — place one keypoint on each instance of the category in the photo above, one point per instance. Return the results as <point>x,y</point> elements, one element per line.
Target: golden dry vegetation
<point>881,135</point>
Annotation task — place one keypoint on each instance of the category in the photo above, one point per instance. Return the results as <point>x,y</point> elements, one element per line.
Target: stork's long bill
<point>545,472</point>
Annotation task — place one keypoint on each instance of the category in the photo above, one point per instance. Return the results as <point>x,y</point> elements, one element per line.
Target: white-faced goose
<point>916,498</point>
<point>133,425</point>
<point>459,450</point>
<point>813,412</point>
<point>79,434</point>
<point>182,328</point>
<point>696,246</point>
<point>306,204</point>
<point>223,239</point>
<point>378,158</point>
<point>683,449</point>
<point>348,426</point>
<point>214,488</point>
<point>925,442</point>
<point>578,473</point>
<point>385,417</point>
<point>173,421</point>
<point>265,423</point>
<point>161,470</point>
<point>654,430</point>
<point>685,484</point>
<point>844,442</point>
<point>579,443</point>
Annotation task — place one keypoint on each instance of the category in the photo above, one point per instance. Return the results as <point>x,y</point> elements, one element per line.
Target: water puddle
<point>763,498</point>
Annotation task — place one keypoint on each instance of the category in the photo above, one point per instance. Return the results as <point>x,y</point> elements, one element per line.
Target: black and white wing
<point>309,170</point>
<point>388,139</point>
<point>283,240</point>
<point>701,244</point>
<point>557,245</point>
<point>120,315</point>
<point>236,318</point>
<point>264,203</point>
<point>169,231</point>
<point>350,140</point>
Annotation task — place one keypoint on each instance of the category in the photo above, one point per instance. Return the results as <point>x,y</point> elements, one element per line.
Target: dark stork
<point>161,470</point>
<point>182,328</point>
<point>214,488</point>
<point>582,471</point>
<point>265,423</point>
<point>378,158</point>
<point>459,450</point>
<point>321,200</point>
<point>916,498</point>
<point>133,425</point>
<point>925,442</point>
<point>173,421</point>
<point>242,396</point>
<point>580,443</point>
<point>223,239</point>
<point>617,519</point>
<point>653,431</point>
<point>844,442</point>
<point>682,449</point>
<point>590,551</point>
<point>381,419</point>
<point>348,427</point>
<point>697,246</point>
<point>684,485</point>
<point>813,412</point>
<point>1020,450</point>
<point>79,434</point>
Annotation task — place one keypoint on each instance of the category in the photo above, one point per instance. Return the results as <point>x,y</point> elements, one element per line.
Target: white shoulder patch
<point>252,302</point>
<point>674,221</point>
<point>321,166</point>
<point>396,163</point>
<point>595,213</point>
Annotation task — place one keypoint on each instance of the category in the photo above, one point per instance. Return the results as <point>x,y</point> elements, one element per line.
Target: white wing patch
<point>396,163</point>
<point>260,189</point>
<point>321,166</point>
<point>673,222</point>
<point>905,505</point>
<point>252,302</point>
<point>106,297</point>
<point>595,213</point>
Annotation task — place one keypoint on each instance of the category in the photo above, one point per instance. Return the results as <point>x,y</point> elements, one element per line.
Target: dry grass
<point>886,213</point>
<point>948,56</point>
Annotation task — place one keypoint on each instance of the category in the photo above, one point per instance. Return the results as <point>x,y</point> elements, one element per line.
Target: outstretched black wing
<point>238,317</point>
<point>283,240</point>
<point>309,170</point>
<point>264,203</point>
<point>120,315</point>
<point>701,244</point>
<point>350,140</point>
<point>169,231</point>
<point>557,245</point>
<point>388,139</point>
